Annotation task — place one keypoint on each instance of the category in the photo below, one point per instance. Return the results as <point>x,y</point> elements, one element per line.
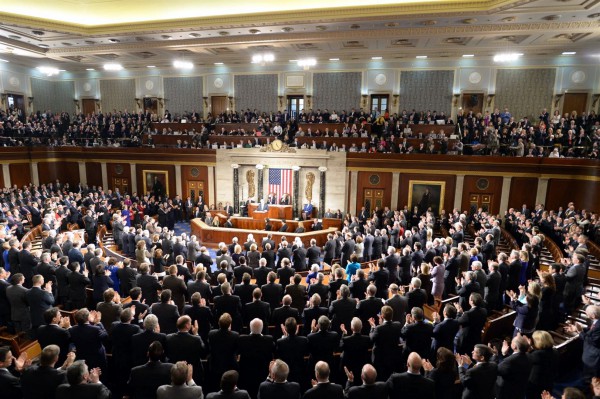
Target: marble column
<point>505,194</point>
<point>134,186</point>
<point>211,186</point>
<point>35,177</point>
<point>542,190</point>
<point>178,186</point>
<point>236,188</point>
<point>82,173</point>
<point>296,185</point>
<point>6,175</point>
<point>353,191</point>
<point>395,188</point>
<point>259,188</point>
<point>322,170</point>
<point>458,192</point>
<point>104,172</point>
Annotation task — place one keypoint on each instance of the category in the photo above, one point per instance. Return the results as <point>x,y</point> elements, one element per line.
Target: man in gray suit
<point>193,247</point>
<point>574,283</point>
<point>117,228</point>
<point>182,384</point>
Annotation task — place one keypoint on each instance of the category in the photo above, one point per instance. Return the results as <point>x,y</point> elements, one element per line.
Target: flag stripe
<point>280,182</point>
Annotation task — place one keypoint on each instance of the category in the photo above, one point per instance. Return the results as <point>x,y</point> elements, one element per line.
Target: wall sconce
<point>205,102</point>
<point>280,101</point>
<point>490,98</point>
<point>76,103</point>
<point>138,102</point>
<point>456,97</point>
<point>396,97</point>
<point>3,98</point>
<point>363,103</point>
<point>595,99</point>
<point>309,102</point>
<point>557,98</point>
<point>161,101</point>
<point>230,98</point>
<point>30,101</point>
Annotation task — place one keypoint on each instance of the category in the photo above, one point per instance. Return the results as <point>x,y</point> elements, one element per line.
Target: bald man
<point>411,385</point>
<point>370,388</point>
<point>324,389</point>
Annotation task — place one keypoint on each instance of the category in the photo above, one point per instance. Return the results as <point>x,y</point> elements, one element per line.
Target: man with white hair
<point>255,354</point>
<point>277,386</point>
<point>591,340</point>
<point>479,276</point>
<point>324,388</point>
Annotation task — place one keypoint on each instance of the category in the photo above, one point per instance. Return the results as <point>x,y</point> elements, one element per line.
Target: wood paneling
<point>385,184</point>
<point>494,189</point>
<point>523,190</point>
<point>189,174</point>
<point>93,173</point>
<point>66,172</point>
<point>405,179</point>
<point>140,168</point>
<point>575,102</point>
<point>20,174</point>
<point>121,170</point>
<point>585,194</point>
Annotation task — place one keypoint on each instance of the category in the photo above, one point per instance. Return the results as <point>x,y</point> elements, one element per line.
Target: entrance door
<point>195,188</point>
<point>379,102</point>
<point>472,102</point>
<point>121,183</point>
<point>16,101</point>
<point>151,105</point>
<point>88,106</point>
<point>483,201</point>
<point>218,105</point>
<point>575,102</point>
<point>295,104</point>
<point>375,198</point>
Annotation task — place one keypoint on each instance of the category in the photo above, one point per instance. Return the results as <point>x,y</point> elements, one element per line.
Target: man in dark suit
<point>256,352</point>
<point>417,334</point>
<point>19,307</point>
<point>145,379</point>
<point>313,253</point>
<point>281,314</point>
<point>380,277</point>
<point>347,250</point>
<point>229,389</point>
<point>186,345</point>
<point>297,292</point>
<point>386,338</point>
<point>139,307</point>
<point>342,310</point>
<point>591,341</point>
<point>239,271</point>
<point>329,250</point>
<point>411,384</point>
<point>299,259</point>
<point>370,388</point>
<point>322,342</point>
<point>167,313</point>
<point>110,309</point>
<point>292,349</point>
<point>471,323</point>
<point>148,284</point>
<point>416,296</point>
<point>223,347</point>
<point>62,281</point>
<point>445,331</point>
<point>127,277</point>
<point>272,292</point>
<point>27,263</point>
<point>478,379</point>
<point>324,389</point>
<point>465,287</point>
<point>277,386</point>
<point>257,309</point>
<point>513,371</point>
<point>141,341</point>
<point>201,286</point>
<point>227,303</point>
<point>39,300</point>
<point>244,289</point>
<point>312,312</point>
<point>284,226</point>
<point>261,272</point>
<point>176,285</point>
<point>77,286</point>
<point>55,332</point>
<point>120,336</point>
<point>355,348</point>
<point>42,380</point>
<point>398,303</point>
<point>318,287</point>
<point>284,253</point>
<point>369,308</point>
<point>82,383</point>
<point>88,336</point>
<point>492,287</point>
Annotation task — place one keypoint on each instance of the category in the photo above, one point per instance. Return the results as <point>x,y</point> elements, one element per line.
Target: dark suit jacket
<point>27,263</point>
<point>284,274</point>
<point>591,347</point>
<point>10,385</point>
<point>366,309</point>
<point>444,334</point>
<point>256,352</point>
<point>257,309</point>
<point>120,336</point>
<point>310,314</point>
<point>376,390</point>
<point>139,308</point>
<point>127,279</point>
<point>292,350</point>
<point>326,390</point>
<point>355,352</point>
<point>272,293</point>
<point>178,290</point>
<point>40,382</point>
<point>183,346</point>
<point>141,342</point>
<point>144,380</point>
<point>260,274</point>
<point>321,345</point>
<point>244,291</point>
<point>223,347</point>
<point>386,352</point>
<point>298,294</point>
<point>52,334</point>
<point>109,312</point>
<point>83,391</point>
<point>478,381</point>
<point>341,312</point>
<point>229,304</point>
<point>399,304</point>
<point>472,322</point>
<point>89,341</point>
<point>77,284</point>
<point>513,374</point>
<point>272,390</point>
<point>39,301</point>
<point>167,316</point>
<point>149,286</point>
<point>237,394</point>
<point>418,338</point>
<point>17,297</point>
<point>410,386</point>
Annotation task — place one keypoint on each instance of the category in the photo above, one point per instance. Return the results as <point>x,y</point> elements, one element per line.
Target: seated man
<point>307,211</point>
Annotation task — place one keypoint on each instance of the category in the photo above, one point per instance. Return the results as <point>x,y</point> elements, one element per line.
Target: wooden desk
<point>214,235</point>
<point>274,212</point>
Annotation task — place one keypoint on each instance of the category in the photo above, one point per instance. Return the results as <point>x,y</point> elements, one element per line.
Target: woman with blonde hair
<point>141,253</point>
<point>237,253</point>
<point>544,361</point>
<point>426,283</point>
<point>359,248</point>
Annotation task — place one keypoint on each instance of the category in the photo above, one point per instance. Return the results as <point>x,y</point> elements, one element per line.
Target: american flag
<point>280,182</point>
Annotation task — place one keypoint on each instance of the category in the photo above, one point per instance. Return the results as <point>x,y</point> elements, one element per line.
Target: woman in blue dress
<point>524,257</point>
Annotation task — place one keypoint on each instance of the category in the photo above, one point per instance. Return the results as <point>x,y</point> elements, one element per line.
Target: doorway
<point>379,103</point>
<point>17,102</point>
<point>151,105</point>
<point>121,183</point>
<point>483,201</point>
<point>218,105</point>
<point>574,102</point>
<point>375,198</point>
<point>295,104</point>
<point>473,102</point>
<point>195,188</point>
<point>88,106</point>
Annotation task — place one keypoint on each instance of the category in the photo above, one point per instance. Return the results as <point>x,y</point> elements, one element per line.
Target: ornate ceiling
<point>80,34</point>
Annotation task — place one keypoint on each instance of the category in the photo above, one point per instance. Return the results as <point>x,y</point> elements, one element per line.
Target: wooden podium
<point>274,212</point>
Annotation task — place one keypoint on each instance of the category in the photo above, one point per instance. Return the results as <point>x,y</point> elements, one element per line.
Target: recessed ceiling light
<point>569,53</point>
<point>38,32</point>
<point>183,64</point>
<point>293,60</point>
<point>376,58</point>
<point>151,66</point>
<point>166,37</point>
<point>421,57</point>
<point>113,67</point>
<point>507,57</point>
<point>89,69</point>
<point>62,70</point>
<point>49,71</point>
<point>114,40</point>
<point>334,59</point>
<point>194,35</point>
<point>218,63</point>
<point>468,55</point>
